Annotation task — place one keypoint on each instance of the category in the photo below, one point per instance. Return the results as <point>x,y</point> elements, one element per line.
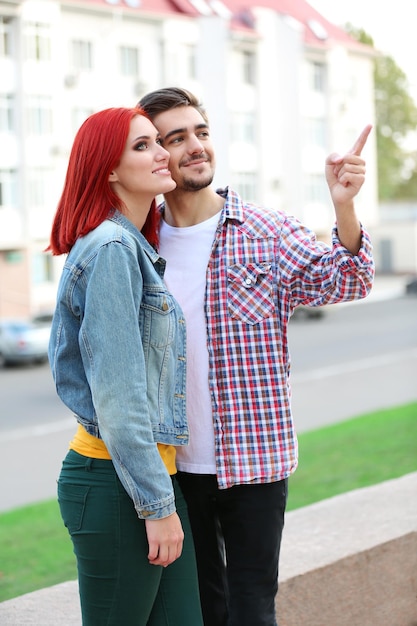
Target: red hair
<point>150,229</point>
<point>87,198</point>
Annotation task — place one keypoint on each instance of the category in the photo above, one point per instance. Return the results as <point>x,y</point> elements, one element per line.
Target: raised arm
<point>345,176</point>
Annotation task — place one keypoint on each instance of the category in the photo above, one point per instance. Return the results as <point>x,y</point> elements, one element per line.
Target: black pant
<point>237,535</point>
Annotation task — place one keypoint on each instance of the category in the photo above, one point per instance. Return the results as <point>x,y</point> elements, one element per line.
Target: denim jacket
<point>117,354</point>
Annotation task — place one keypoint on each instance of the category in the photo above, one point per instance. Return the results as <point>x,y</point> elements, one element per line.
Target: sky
<point>390,24</point>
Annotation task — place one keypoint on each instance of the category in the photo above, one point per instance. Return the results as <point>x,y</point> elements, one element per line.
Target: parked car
<point>43,318</point>
<point>302,312</point>
<point>411,286</point>
<point>23,341</point>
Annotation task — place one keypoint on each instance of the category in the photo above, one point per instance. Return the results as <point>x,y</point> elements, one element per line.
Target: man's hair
<point>168,98</point>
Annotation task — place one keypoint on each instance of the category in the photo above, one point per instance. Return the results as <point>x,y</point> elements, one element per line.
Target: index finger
<point>361,141</point>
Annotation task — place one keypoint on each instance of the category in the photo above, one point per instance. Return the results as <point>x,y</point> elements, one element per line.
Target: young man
<point>238,271</point>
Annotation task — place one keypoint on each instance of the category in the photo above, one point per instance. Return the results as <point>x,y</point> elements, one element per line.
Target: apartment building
<point>283,88</point>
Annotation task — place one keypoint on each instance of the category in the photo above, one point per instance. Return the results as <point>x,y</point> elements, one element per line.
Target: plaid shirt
<point>263,264</point>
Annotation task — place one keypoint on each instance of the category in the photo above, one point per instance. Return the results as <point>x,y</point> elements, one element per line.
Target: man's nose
<point>194,145</point>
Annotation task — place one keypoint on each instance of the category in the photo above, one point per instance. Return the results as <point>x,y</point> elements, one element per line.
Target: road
<point>360,357</point>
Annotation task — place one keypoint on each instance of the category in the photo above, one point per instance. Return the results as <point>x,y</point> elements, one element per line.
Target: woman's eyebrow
<point>141,137</point>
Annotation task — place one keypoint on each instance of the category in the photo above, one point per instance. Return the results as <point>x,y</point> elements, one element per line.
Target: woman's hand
<point>165,539</point>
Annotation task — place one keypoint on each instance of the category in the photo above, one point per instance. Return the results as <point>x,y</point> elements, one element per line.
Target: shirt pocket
<point>249,292</point>
<point>158,318</point>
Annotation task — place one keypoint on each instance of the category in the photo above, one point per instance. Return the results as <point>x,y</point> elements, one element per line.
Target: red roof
<point>317,30</point>
<point>158,7</point>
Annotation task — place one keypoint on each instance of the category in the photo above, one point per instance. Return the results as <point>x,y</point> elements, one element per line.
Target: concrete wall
<point>395,246</point>
<point>351,560</point>
<point>347,561</point>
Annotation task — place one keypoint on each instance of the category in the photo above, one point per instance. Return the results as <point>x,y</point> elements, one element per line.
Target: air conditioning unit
<point>140,88</point>
<point>71,80</point>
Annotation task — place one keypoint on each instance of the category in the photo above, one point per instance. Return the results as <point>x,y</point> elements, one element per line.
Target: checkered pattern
<point>263,264</point>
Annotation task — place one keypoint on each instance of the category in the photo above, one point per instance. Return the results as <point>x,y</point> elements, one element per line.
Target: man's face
<point>186,136</point>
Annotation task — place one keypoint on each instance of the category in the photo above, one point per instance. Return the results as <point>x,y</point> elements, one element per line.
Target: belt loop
<point>89,464</point>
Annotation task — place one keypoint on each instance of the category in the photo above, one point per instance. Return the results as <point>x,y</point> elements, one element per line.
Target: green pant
<point>118,586</point>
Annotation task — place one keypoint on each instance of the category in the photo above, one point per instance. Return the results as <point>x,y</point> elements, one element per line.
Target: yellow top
<point>91,446</point>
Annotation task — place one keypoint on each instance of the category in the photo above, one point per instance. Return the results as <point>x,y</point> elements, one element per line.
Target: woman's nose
<point>162,153</point>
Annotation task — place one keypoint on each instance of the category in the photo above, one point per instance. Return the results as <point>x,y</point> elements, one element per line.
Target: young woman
<point>117,354</point>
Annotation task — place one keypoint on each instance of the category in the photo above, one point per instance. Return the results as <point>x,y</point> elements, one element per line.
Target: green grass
<point>36,551</point>
<point>356,453</point>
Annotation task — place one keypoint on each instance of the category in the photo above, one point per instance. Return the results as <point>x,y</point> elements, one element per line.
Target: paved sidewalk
<point>387,287</point>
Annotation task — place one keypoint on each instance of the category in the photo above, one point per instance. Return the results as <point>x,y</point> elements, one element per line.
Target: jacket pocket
<point>249,292</point>
<point>157,312</point>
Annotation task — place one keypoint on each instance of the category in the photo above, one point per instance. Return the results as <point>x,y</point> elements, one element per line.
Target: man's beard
<point>188,184</point>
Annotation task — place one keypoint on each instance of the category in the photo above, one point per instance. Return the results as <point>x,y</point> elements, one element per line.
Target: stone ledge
<point>350,560</point>
<point>53,606</point>
<point>372,588</point>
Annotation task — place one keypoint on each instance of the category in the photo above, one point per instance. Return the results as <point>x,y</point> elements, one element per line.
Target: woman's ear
<point>113,177</point>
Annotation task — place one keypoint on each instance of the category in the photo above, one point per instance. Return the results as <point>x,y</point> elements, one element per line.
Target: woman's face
<point>142,172</point>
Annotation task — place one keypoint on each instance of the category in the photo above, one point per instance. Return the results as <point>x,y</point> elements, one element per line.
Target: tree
<point>396,121</point>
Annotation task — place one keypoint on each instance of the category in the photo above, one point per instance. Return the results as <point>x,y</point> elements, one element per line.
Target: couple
<point>139,366</point>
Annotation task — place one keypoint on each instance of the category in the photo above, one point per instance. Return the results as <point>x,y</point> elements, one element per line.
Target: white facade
<point>276,107</point>
<point>395,238</point>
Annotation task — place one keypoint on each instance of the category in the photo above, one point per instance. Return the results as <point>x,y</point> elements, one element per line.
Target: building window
<point>81,55</point>
<point>316,189</point>
<point>7,108</point>
<point>315,132</point>
<point>129,61</point>
<point>78,117</point>
<point>243,127</point>
<point>190,62</point>
<point>39,185</point>
<point>181,63</point>
<point>42,268</point>
<point>8,188</point>
<point>317,77</point>
<point>248,67</point>
<point>246,185</point>
<point>38,41</point>
<point>39,115</point>
<point>6,37</point>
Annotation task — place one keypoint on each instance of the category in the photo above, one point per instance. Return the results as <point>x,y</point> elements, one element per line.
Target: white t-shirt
<point>187,252</point>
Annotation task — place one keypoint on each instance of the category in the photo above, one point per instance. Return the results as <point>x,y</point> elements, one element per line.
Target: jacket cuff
<point>159,510</point>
